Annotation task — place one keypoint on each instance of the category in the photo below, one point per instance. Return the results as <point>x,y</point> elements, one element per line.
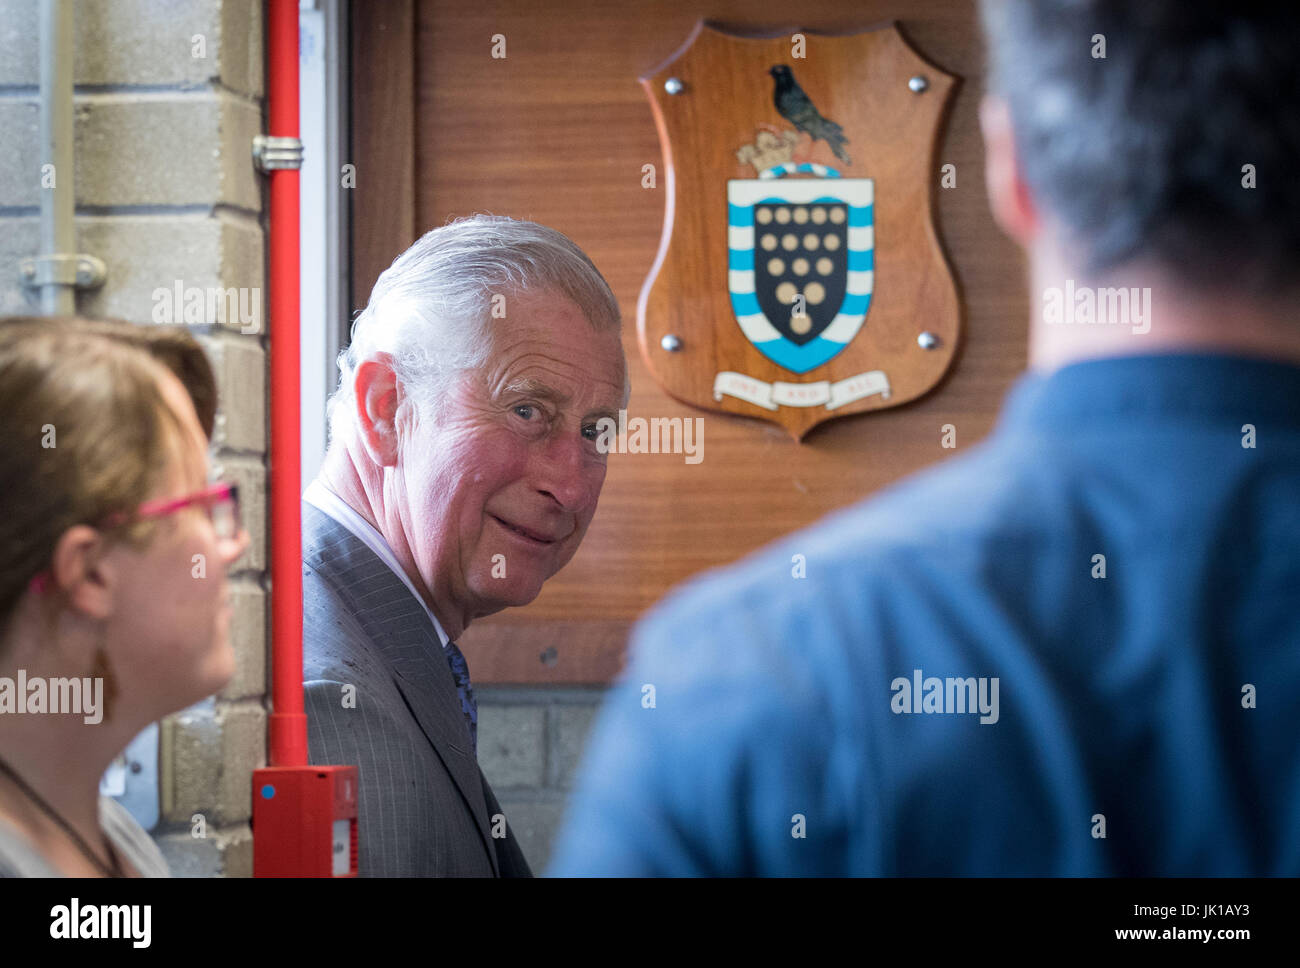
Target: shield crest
<point>819,288</point>
<point>800,263</point>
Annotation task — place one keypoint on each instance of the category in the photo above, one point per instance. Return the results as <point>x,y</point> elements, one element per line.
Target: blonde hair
<point>86,433</point>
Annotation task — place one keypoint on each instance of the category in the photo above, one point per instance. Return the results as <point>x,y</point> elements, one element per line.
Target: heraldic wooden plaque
<point>800,276</point>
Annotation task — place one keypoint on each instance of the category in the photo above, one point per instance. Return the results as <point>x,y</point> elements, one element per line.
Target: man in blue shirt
<point>1074,650</point>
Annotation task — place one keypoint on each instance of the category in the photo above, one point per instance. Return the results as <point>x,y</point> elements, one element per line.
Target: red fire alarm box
<point>305,821</point>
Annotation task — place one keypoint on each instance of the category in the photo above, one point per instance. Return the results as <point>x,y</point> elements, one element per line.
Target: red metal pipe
<point>288,725</point>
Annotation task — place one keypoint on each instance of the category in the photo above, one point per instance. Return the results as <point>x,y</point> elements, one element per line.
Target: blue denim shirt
<point>1073,650</point>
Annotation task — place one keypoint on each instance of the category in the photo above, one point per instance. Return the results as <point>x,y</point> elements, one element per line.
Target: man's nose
<point>565,472</point>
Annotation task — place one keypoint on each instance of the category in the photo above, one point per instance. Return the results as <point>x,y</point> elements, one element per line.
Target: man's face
<point>501,485</point>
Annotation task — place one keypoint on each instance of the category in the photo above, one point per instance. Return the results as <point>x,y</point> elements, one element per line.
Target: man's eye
<point>526,411</point>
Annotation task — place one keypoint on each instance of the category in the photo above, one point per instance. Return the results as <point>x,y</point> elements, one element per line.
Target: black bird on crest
<point>796,107</point>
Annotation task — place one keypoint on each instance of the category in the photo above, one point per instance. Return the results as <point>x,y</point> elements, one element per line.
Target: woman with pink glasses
<point>114,550</point>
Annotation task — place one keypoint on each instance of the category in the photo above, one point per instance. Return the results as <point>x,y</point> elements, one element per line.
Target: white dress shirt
<point>326,501</point>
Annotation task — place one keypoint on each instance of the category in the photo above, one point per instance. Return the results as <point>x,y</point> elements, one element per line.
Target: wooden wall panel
<point>385,213</point>
<point>558,132</point>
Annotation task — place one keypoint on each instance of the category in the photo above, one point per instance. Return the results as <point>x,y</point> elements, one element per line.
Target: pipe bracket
<point>81,271</point>
<point>271,152</point>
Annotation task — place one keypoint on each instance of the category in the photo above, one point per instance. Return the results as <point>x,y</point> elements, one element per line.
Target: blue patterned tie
<point>460,672</point>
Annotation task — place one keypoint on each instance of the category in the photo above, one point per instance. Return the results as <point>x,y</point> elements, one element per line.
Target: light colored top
<point>19,858</point>
<point>327,502</point>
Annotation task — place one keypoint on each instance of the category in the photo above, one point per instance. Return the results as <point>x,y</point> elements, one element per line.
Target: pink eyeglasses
<point>221,501</point>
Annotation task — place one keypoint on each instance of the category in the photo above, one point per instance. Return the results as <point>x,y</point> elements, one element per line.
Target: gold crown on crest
<point>770,148</point>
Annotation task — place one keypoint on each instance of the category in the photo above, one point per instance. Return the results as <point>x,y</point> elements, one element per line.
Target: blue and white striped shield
<point>801,262</point>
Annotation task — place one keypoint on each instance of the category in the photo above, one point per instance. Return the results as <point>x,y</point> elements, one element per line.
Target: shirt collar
<point>1187,387</point>
<point>327,502</point>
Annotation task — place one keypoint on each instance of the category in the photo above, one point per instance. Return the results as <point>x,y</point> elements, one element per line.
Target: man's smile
<point>535,536</point>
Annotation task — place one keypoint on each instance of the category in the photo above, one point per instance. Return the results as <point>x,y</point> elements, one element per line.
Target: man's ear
<point>377,395</point>
<point>1009,197</point>
<point>81,570</point>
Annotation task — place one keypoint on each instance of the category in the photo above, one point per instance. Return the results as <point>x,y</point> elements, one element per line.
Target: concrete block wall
<point>530,743</point>
<point>169,94</point>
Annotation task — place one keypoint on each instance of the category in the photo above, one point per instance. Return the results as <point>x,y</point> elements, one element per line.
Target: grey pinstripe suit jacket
<point>425,808</point>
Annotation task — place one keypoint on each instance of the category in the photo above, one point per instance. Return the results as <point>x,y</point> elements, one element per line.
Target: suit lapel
<point>400,629</point>
<point>428,701</point>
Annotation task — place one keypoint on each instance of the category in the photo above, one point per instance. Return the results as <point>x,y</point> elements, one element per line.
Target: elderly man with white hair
<point>462,472</point>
